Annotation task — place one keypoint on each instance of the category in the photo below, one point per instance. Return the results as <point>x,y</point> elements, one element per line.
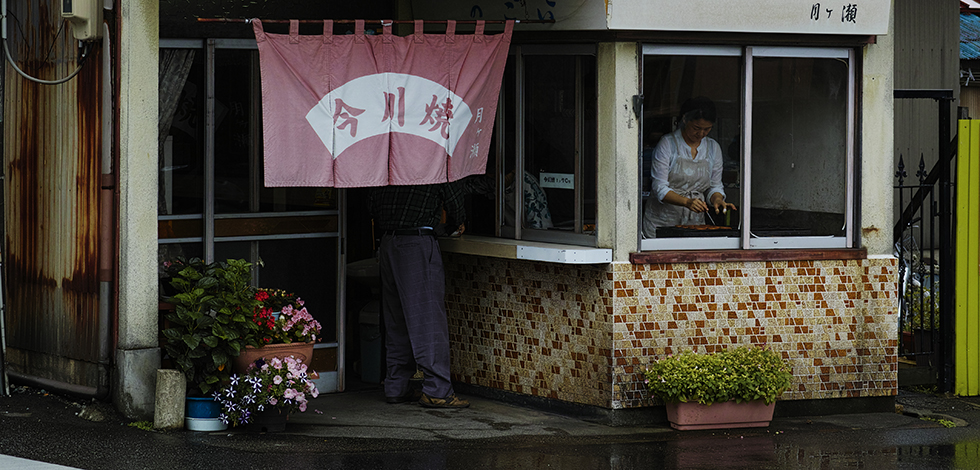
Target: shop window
<point>540,182</point>
<point>779,147</point>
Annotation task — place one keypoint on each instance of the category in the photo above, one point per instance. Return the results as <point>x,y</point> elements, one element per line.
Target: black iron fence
<point>918,269</point>
<point>924,247</point>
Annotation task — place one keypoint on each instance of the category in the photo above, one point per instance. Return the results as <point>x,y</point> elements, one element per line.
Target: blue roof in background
<point>969,36</point>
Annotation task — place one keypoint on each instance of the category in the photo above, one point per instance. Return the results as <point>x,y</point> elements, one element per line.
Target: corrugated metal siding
<point>51,160</point>
<point>926,57</point>
<point>970,99</point>
<point>969,36</point>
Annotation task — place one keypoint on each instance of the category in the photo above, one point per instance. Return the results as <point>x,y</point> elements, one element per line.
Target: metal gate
<point>924,247</point>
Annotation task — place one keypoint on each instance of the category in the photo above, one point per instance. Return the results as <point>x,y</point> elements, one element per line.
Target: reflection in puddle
<point>966,455</point>
<point>717,451</point>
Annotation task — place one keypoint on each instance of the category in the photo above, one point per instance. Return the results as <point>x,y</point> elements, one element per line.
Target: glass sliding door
<point>213,203</point>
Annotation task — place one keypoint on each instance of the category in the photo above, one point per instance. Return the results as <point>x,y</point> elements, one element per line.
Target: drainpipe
<point>107,219</point>
<point>4,380</point>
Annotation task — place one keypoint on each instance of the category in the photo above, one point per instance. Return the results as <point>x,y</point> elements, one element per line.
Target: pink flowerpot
<point>688,416</point>
<point>301,351</point>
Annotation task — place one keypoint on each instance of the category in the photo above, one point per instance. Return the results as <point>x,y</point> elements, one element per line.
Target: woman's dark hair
<point>699,107</point>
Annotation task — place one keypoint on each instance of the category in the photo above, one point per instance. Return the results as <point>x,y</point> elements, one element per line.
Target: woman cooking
<point>687,165</point>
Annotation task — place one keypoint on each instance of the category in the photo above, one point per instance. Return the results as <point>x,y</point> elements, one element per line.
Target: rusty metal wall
<point>52,148</point>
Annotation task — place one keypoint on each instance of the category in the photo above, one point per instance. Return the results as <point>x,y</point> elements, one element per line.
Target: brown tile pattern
<point>540,329</point>
<point>583,334</point>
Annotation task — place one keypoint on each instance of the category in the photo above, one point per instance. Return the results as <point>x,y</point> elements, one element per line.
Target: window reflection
<point>182,145</point>
<point>799,141</point>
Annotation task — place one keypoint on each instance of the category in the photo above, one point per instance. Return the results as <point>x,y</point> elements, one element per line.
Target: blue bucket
<point>202,407</point>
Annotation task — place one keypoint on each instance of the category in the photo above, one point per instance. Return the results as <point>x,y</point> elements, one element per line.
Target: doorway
<point>212,203</point>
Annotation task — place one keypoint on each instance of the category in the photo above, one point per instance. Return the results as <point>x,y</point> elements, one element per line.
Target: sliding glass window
<point>763,135</point>
<point>542,166</point>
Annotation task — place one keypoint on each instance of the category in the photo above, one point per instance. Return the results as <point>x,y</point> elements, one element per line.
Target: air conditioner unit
<point>85,17</point>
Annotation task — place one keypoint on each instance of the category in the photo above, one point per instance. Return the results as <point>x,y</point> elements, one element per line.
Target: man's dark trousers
<point>416,329</point>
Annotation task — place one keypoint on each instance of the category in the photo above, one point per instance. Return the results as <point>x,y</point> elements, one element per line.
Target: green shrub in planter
<point>211,321</point>
<point>740,374</point>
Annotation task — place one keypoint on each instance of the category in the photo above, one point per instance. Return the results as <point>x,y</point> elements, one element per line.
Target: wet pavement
<point>358,430</point>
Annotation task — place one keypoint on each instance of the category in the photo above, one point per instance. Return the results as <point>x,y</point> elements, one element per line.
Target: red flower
<point>261,296</point>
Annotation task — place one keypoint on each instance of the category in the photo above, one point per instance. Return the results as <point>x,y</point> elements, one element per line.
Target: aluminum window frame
<point>747,240</point>
<point>689,243</point>
<point>208,216</point>
<point>518,231</point>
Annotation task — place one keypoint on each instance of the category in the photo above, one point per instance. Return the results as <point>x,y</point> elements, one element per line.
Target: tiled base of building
<point>583,334</point>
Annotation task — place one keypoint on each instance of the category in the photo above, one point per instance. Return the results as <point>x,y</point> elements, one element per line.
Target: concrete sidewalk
<point>15,463</point>
<point>359,430</point>
<point>364,414</point>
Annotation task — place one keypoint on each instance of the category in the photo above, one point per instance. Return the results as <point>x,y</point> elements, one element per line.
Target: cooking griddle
<point>698,231</point>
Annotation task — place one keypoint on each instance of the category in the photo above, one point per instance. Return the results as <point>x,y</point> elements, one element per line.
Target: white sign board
<point>557,180</point>
<point>860,17</point>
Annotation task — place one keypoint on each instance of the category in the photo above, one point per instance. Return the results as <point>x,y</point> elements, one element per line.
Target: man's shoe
<point>412,395</point>
<point>449,402</point>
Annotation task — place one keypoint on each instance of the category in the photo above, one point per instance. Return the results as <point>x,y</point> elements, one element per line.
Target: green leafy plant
<point>740,374</point>
<point>921,305</point>
<point>212,319</point>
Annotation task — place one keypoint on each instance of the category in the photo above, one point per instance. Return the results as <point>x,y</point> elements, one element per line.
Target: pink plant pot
<point>693,415</point>
<point>301,351</point>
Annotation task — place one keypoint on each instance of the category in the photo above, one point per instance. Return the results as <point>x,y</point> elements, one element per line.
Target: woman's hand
<point>719,204</point>
<point>692,204</point>
<point>696,205</point>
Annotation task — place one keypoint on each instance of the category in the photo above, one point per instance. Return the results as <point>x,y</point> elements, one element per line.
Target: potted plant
<point>265,395</point>
<point>735,387</point>
<point>921,317</point>
<point>284,328</point>
<point>211,320</point>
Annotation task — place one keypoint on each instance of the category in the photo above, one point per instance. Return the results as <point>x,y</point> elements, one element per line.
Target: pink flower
<point>273,401</point>
<point>277,379</point>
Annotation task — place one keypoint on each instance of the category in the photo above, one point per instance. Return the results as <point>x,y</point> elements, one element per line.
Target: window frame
<point>518,231</point>
<point>209,215</point>
<point>746,240</point>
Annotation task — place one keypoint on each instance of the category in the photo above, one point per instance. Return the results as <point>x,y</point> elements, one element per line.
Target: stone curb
<point>931,416</point>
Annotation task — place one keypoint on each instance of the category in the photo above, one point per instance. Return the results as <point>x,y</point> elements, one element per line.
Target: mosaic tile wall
<point>583,334</point>
<point>540,329</point>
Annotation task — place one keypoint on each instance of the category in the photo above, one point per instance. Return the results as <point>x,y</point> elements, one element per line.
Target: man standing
<point>413,289</point>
